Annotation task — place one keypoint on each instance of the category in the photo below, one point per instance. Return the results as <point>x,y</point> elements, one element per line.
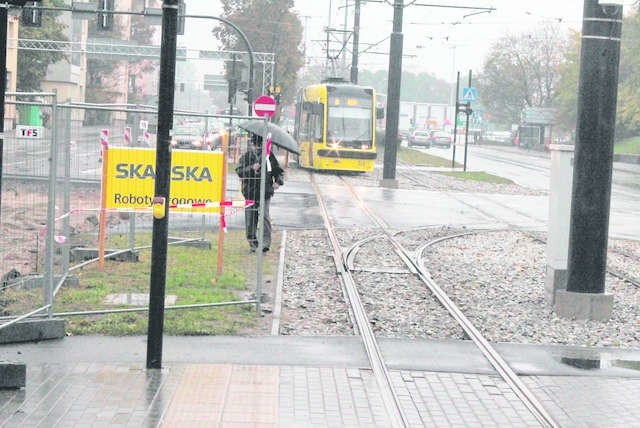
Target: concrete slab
<point>82,254</point>
<point>33,331</point>
<point>584,306</point>
<point>12,375</point>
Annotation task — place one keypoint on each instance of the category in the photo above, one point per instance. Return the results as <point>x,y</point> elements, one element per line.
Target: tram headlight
<point>365,147</point>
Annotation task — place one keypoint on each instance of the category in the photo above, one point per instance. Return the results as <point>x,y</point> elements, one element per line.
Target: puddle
<point>581,363</point>
<point>626,364</point>
<point>135,299</point>
<point>600,363</point>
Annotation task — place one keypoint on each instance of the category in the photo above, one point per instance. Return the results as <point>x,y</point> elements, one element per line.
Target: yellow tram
<point>335,126</point>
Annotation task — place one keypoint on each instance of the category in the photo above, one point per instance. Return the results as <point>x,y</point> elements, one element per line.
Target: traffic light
<point>464,108</point>
<point>105,20</point>
<point>246,95</point>
<point>31,15</point>
<point>182,10</point>
<point>233,88</point>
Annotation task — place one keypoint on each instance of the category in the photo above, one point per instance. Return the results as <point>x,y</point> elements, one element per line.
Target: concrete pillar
<point>558,224</point>
<point>585,296</point>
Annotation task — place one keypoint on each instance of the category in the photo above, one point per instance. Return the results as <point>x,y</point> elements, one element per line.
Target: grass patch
<point>630,146</point>
<point>191,276</point>
<point>478,176</point>
<point>415,157</point>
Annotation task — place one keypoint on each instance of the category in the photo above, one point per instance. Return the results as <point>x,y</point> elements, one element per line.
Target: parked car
<point>187,137</point>
<point>419,138</point>
<point>441,138</point>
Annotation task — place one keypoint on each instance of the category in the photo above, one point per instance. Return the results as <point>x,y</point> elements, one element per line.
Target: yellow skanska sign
<point>196,177</point>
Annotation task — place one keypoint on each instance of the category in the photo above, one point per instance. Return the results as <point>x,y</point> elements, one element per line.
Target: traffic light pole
<point>466,109</point>
<point>468,112</point>
<point>158,277</point>
<point>455,121</point>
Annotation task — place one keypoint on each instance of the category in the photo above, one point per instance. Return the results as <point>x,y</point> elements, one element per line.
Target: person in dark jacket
<point>249,170</point>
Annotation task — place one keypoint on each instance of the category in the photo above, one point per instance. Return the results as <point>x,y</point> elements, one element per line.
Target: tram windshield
<point>349,119</point>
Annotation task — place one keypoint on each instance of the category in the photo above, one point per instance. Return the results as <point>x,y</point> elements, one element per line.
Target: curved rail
<point>501,366</point>
<point>631,280</point>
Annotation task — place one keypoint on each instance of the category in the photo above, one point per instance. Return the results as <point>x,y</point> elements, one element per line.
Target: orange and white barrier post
<point>104,151</point>
<point>127,135</point>
<point>104,141</point>
<point>207,139</point>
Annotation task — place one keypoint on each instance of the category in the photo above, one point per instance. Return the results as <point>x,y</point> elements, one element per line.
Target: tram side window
<point>312,121</point>
<point>304,126</point>
<point>317,127</point>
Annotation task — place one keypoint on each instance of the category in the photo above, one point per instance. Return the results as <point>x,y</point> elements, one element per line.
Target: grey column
<point>593,162</point>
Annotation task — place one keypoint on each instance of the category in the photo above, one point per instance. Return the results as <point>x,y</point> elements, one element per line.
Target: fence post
<point>51,223</point>
<point>65,127</point>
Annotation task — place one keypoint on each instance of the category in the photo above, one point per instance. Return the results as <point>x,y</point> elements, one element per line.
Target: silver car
<point>419,138</point>
<point>441,138</point>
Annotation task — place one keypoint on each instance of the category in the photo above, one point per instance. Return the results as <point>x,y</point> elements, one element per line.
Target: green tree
<point>521,71</point>
<point>270,26</point>
<point>32,65</point>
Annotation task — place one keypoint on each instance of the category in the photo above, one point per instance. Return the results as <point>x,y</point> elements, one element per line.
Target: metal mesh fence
<point>60,208</point>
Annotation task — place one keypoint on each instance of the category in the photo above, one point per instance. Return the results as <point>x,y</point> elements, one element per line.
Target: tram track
<point>389,396</point>
<point>412,265</point>
<point>618,273</point>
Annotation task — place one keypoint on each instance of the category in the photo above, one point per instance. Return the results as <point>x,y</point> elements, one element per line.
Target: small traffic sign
<point>469,93</point>
<point>264,106</point>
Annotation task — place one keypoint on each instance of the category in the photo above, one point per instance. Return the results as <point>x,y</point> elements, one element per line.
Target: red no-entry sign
<point>264,105</point>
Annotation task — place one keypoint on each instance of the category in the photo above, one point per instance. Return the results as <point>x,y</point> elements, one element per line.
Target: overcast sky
<point>436,40</point>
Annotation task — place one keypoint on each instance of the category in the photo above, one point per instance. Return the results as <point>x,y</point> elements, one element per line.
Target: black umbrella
<point>279,136</point>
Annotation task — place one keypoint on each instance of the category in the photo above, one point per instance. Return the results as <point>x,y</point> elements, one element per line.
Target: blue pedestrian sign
<point>469,93</point>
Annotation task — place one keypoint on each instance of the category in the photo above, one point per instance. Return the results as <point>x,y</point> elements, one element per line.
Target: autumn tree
<point>628,108</point>
<point>628,113</point>
<point>521,71</point>
<point>270,26</point>
<point>567,87</point>
<point>103,73</point>
<point>32,64</point>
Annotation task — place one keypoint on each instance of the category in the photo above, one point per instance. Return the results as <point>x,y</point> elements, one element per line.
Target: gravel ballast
<point>495,277</point>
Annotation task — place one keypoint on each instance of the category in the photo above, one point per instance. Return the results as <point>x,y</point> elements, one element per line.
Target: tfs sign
<point>26,131</point>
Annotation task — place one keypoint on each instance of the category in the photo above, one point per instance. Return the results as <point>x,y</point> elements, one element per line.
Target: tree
<point>270,26</point>
<point>628,113</point>
<point>628,109</point>
<point>104,75</point>
<point>521,71</point>
<point>567,88</point>
<point>32,65</point>
<point>421,88</point>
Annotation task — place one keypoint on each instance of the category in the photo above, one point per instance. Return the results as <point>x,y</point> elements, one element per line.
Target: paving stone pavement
<point>239,395</point>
